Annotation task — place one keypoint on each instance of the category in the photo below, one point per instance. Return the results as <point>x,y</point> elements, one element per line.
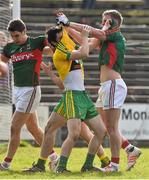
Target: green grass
<point>26,155</point>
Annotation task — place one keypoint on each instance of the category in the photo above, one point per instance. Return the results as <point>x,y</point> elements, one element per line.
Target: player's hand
<point>62,19</point>
<point>107,24</point>
<point>86,30</point>
<point>46,68</point>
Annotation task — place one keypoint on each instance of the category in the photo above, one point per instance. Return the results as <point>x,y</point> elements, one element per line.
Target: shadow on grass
<point>3,149</point>
<point>72,175</point>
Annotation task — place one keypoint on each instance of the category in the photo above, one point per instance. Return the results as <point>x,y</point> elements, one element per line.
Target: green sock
<point>41,163</point>
<point>89,160</point>
<point>63,161</point>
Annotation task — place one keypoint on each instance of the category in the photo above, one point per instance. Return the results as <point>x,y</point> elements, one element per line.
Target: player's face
<point>58,39</point>
<point>105,18</point>
<point>59,36</point>
<point>18,37</point>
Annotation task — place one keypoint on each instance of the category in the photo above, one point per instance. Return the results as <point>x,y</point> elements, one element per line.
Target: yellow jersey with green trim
<point>61,56</point>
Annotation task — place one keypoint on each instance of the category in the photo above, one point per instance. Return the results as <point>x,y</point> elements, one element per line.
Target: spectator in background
<point>88,4</point>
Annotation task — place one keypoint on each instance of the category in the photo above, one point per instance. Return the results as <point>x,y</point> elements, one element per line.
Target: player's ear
<point>113,22</point>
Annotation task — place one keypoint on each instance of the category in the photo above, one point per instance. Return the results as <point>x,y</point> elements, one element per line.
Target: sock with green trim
<point>89,160</point>
<point>41,163</point>
<point>62,161</point>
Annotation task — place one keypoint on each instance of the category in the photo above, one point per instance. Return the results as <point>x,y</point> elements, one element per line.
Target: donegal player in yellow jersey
<point>75,105</point>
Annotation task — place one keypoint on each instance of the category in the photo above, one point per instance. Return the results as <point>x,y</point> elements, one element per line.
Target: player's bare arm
<point>3,65</point>
<point>97,33</point>
<point>76,35</point>
<point>93,42</point>
<point>48,70</point>
<point>83,51</point>
<point>47,51</point>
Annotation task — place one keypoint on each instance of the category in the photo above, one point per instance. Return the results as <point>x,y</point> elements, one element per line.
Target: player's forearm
<point>56,80</point>
<point>84,49</point>
<point>76,26</point>
<point>3,68</point>
<point>4,58</point>
<point>75,35</point>
<point>97,33</point>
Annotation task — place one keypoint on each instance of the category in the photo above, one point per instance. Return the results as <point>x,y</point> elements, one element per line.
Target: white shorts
<point>27,98</point>
<point>112,94</point>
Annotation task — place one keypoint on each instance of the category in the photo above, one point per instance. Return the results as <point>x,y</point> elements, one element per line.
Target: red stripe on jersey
<point>38,57</point>
<point>112,53</point>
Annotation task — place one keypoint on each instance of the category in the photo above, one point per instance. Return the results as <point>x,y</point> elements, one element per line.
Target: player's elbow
<point>3,69</point>
<point>85,54</point>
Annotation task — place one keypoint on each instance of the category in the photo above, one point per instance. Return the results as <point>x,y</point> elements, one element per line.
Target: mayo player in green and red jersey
<point>26,55</point>
<point>113,90</point>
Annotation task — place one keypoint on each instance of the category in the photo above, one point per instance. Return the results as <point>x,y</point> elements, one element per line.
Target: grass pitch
<point>25,156</point>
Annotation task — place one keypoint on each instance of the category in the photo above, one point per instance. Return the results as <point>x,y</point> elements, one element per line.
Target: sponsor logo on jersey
<point>22,57</point>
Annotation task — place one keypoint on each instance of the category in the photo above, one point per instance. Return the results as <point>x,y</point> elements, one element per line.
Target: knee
<point>75,135</point>
<point>33,130</point>
<point>111,130</point>
<point>30,129</point>
<point>14,129</point>
<point>48,130</point>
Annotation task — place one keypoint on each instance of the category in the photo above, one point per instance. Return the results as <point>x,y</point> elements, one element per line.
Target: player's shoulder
<point>10,43</point>
<point>37,37</point>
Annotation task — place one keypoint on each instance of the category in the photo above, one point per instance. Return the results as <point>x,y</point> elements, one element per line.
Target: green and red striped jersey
<point>113,51</point>
<point>26,59</point>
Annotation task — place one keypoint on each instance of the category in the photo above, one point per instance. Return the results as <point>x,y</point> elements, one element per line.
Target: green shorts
<point>76,104</point>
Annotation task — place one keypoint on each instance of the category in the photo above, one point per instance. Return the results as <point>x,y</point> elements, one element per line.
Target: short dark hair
<point>16,25</point>
<point>52,32</point>
<point>114,14</point>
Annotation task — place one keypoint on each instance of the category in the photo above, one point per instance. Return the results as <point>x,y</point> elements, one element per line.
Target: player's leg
<point>34,128</point>
<point>18,120</point>
<point>74,108</point>
<point>111,98</point>
<point>133,153</point>
<point>86,134</point>
<point>26,102</point>
<point>112,118</point>
<point>37,132</point>
<point>120,94</point>
<point>97,125</point>
<point>55,121</point>
<point>74,128</point>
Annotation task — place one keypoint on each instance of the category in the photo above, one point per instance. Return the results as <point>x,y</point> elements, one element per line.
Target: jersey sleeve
<point>5,51</point>
<point>42,42</point>
<point>62,52</point>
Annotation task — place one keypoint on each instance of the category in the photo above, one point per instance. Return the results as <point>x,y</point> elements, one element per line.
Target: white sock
<point>53,156</point>
<point>5,165</point>
<point>115,164</point>
<point>128,147</point>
